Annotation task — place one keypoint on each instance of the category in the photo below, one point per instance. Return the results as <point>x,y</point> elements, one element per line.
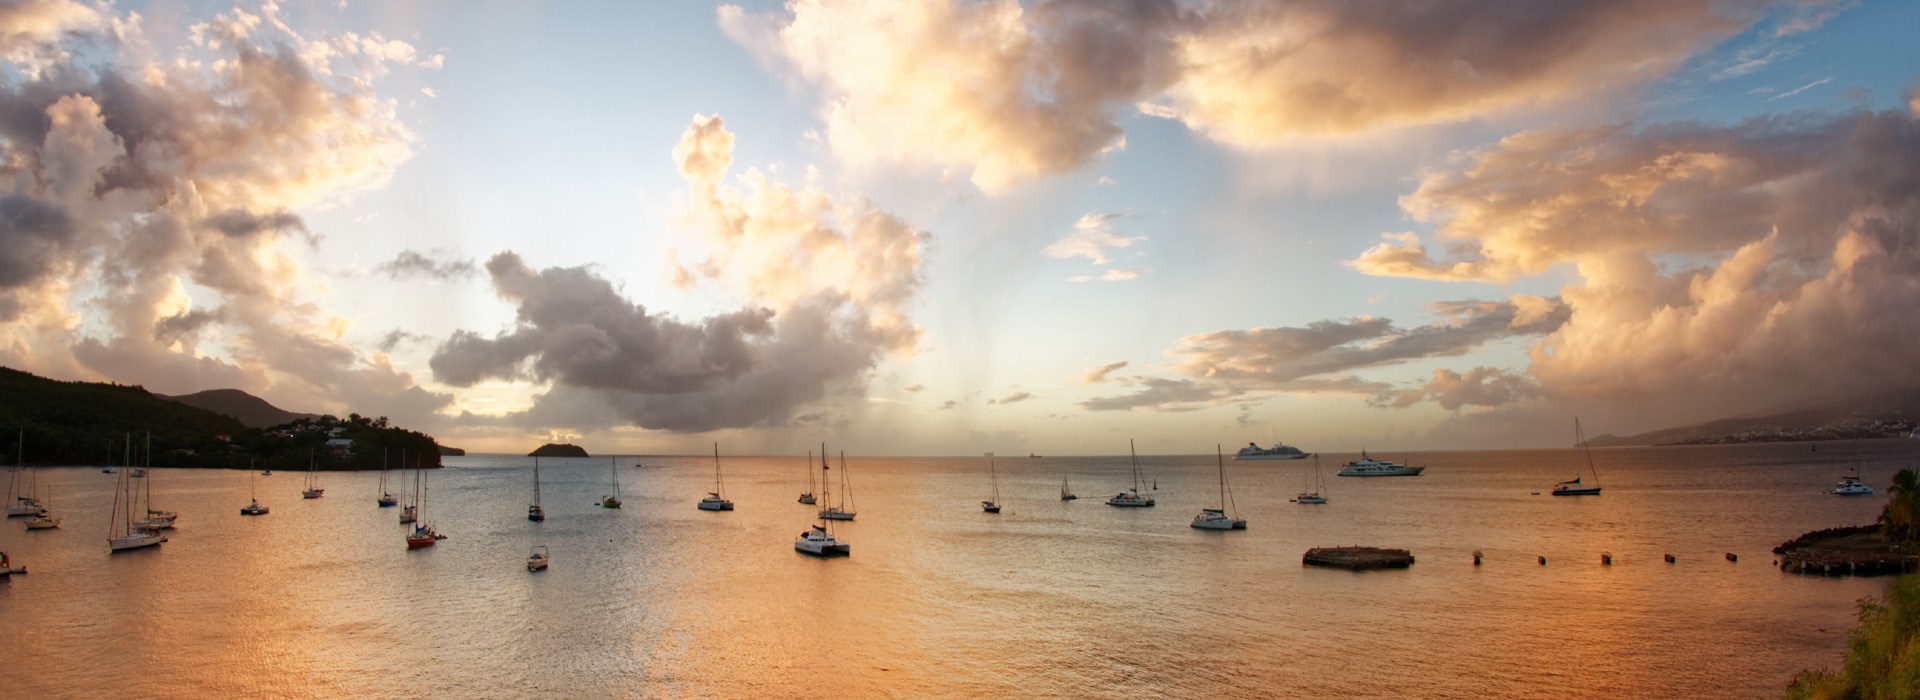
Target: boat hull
<point>809,500</point>
<point>537,564</point>
<point>251,511</point>
<point>1311,500</point>
<point>135,541</point>
<point>313,493</point>
<point>990,507</point>
<point>1203,524</point>
<point>1593,491</point>
<point>43,524</point>
<point>1299,455</point>
<point>835,515</point>
<point>1402,471</point>
<point>417,543</point>
<point>716,506</point>
<point>823,550</point>
<point>388,502</point>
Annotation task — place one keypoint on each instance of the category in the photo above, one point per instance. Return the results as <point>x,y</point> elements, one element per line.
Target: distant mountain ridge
<point>252,411</point>
<point>1855,417</point>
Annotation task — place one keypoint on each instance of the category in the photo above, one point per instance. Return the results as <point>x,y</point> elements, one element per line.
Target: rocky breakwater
<point>1847,551</point>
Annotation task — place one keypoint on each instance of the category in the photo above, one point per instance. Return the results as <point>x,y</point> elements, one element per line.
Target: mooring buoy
<point>1732,557</point>
<point>1669,559</point>
<point>1476,557</point>
<point>1606,559</point>
<point>1543,561</point>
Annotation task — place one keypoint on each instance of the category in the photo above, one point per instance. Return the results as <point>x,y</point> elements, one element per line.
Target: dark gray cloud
<point>1015,397</point>
<point>36,235</point>
<point>241,223</point>
<point>1320,357</point>
<point>435,264</point>
<point>395,337</point>
<point>611,362</point>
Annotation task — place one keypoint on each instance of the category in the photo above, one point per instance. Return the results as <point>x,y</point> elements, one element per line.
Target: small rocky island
<point>563,450</point>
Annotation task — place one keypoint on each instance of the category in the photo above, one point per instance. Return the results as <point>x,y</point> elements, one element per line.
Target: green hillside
<point>86,423</point>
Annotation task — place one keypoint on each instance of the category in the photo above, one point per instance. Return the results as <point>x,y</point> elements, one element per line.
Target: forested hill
<point>86,423</point>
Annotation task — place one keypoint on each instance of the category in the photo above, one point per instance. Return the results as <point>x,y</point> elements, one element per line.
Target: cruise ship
<point>1368,466</point>
<point>1280,450</point>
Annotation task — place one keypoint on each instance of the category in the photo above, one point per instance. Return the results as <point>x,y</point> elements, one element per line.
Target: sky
<point>943,227</point>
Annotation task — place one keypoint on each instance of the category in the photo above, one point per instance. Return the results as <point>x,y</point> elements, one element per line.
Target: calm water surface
<point>1071,599</point>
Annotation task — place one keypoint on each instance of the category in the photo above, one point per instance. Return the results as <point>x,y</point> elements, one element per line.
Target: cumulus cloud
<point>1480,386</point>
<point>436,264</point>
<point>1719,267</point>
<point>828,287</point>
<point>1006,93</point>
<point>135,179</point>
<point>1092,236</point>
<point>1099,374</point>
<point>1322,356</point>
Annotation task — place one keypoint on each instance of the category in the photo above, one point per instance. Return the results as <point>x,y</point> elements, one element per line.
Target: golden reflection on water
<point>1067,599</point>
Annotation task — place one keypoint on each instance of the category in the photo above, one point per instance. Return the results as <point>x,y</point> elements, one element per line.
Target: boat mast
<point>716,469</point>
<point>1136,465</point>
<point>826,485</point>
<point>1580,438</point>
<point>993,477</point>
<point>846,487</point>
<point>536,480</point>
<point>1220,461</point>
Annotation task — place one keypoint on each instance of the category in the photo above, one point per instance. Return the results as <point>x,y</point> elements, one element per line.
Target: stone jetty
<point>1358,558</point>
<point>1846,551</point>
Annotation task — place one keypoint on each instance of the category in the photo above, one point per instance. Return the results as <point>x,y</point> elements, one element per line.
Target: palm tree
<point>1903,505</point>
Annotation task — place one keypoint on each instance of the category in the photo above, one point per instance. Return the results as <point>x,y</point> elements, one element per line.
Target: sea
<point>1050,598</point>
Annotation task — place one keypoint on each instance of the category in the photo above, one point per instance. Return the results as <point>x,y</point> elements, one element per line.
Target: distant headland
<point>563,450</point>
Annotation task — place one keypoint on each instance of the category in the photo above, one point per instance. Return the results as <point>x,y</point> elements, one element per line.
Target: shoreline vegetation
<point>99,424</point>
<point>1883,656</point>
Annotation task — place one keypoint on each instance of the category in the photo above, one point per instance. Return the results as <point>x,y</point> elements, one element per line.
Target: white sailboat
<point>22,504</point>
<point>612,501</point>
<point>714,501</point>
<point>387,499</point>
<point>121,532</point>
<point>807,496</point>
<point>313,480</point>
<point>253,506</point>
<point>992,505</point>
<point>1217,518</point>
<point>1574,487</point>
<point>1132,498</point>
<point>423,534</point>
<point>1318,494</point>
<point>46,520</point>
<point>156,519</point>
<point>844,509</point>
<point>411,511</point>
<point>536,513</point>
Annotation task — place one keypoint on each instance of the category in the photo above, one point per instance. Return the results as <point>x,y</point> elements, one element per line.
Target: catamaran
<point>714,501</point>
<point>819,541</point>
<point>1574,487</point>
<point>1132,498</point>
<point>1217,518</point>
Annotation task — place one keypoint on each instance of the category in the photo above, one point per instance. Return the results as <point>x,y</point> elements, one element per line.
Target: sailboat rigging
<point>534,512</point>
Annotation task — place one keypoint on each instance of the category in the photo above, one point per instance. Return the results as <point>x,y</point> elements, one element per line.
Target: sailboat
<point>1217,518</point>
<point>17,504</point>
<point>387,499</point>
<point>156,519</point>
<point>1574,487</point>
<point>714,501</point>
<point>313,484</point>
<point>1066,494</point>
<point>423,534</point>
<point>410,512</point>
<point>121,532</point>
<point>819,541</point>
<point>1315,496</point>
<point>534,511</point>
<point>612,501</point>
<point>834,512</point>
<point>45,520</point>
<point>1132,499</point>
<point>253,507</point>
<point>992,505</point>
<point>807,497</point>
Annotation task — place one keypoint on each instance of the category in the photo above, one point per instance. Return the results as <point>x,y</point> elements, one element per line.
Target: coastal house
<point>341,446</point>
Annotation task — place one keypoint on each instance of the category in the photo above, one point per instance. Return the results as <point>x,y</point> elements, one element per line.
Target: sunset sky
<point>951,227</point>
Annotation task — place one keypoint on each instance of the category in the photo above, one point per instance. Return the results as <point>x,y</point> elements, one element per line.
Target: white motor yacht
<point>1368,466</point>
